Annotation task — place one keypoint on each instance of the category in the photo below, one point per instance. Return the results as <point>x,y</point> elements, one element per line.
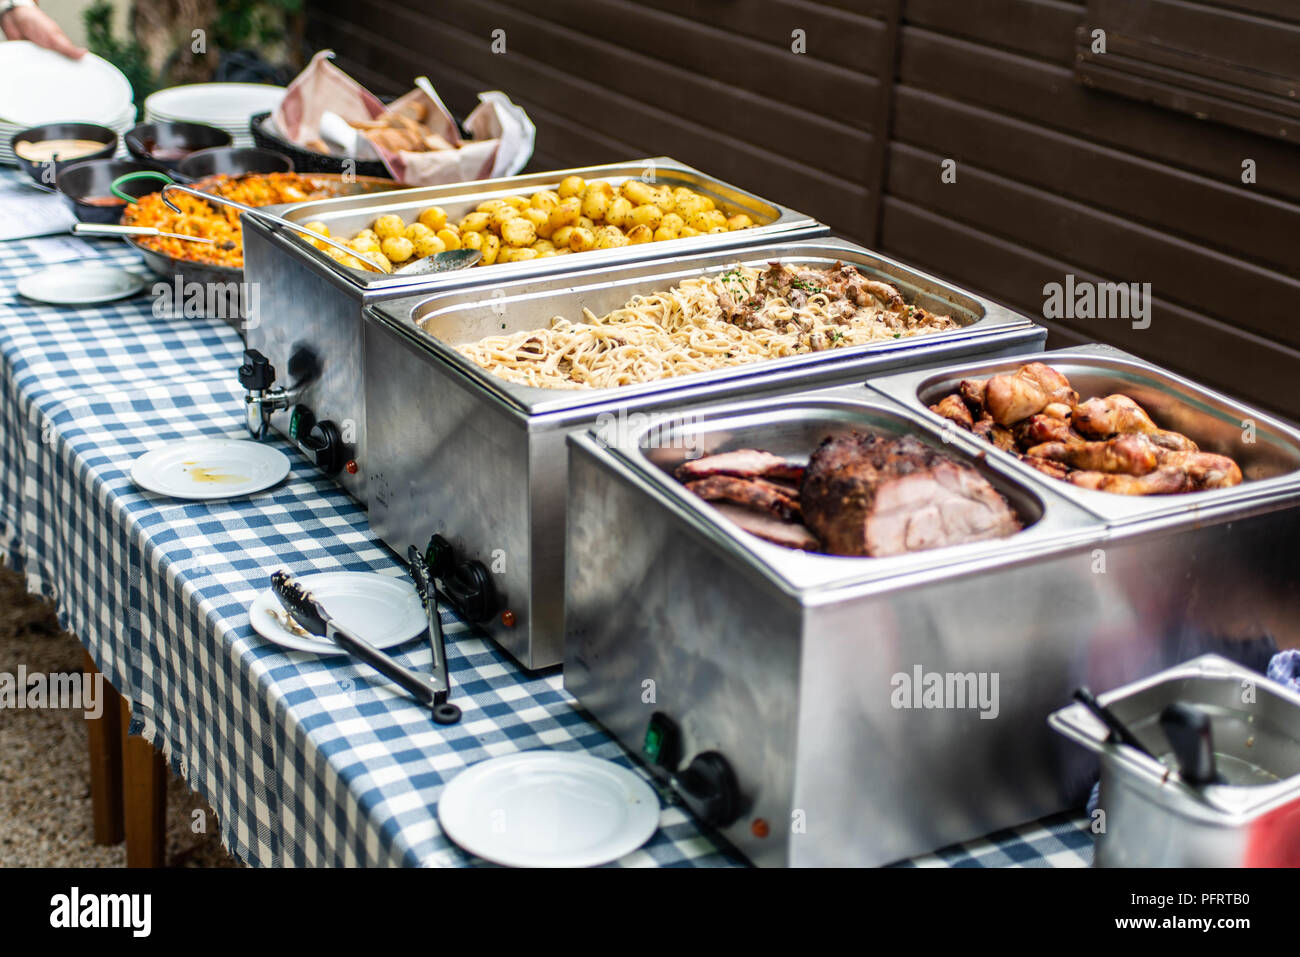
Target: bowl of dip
<point>45,151</point>
<point>87,188</point>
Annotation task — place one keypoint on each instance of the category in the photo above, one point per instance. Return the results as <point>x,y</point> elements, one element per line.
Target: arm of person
<point>23,20</point>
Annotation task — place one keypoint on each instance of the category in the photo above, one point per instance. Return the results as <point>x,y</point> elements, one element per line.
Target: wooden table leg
<point>144,798</point>
<point>105,738</point>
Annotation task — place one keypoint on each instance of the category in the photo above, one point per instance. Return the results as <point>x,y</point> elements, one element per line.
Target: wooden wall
<point>1052,178</point>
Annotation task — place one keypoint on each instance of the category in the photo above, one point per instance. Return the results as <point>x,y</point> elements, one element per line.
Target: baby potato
<point>638,192</point>
<point>435,217</point>
<point>518,232</point>
<point>719,229</point>
<point>416,230</point>
<point>701,220</point>
<point>544,245</point>
<point>651,216</point>
<point>449,238</point>
<point>664,233</point>
<point>672,221</point>
<point>317,227</point>
<point>491,248</point>
<point>471,240</point>
<point>739,221</point>
<point>389,225</point>
<point>490,204</point>
<point>362,245</point>
<point>664,198</point>
<point>475,222</point>
<point>595,202</point>
<point>640,234</point>
<point>540,219</point>
<point>686,231</point>
<point>561,236</point>
<point>518,202</point>
<point>431,245</point>
<point>582,239</point>
<point>563,251</point>
<point>571,186</point>
<point>380,260</point>
<point>367,234</point>
<point>502,215</point>
<point>620,212</point>
<point>514,254</point>
<point>717,218</point>
<point>566,213</point>
<point>610,237</point>
<point>586,222</point>
<point>398,248</point>
<point>545,200</point>
<point>545,253</point>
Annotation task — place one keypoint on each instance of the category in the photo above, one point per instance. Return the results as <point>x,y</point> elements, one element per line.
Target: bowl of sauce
<point>165,145</point>
<point>44,151</point>
<point>87,188</point>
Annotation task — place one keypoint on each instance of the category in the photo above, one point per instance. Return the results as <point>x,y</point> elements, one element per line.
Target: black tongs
<point>425,586</point>
<point>308,612</point>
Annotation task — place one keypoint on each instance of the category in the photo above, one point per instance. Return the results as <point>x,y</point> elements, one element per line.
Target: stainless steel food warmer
<point>453,449</point>
<point>308,311</point>
<point>1151,817</point>
<point>776,690</point>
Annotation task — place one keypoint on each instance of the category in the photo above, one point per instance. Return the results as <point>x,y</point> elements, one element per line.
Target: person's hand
<point>34,24</point>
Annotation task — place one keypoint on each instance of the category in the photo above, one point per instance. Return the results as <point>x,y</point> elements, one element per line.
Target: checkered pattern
<point>306,760</point>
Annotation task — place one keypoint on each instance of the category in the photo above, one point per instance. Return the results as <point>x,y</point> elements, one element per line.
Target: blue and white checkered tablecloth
<point>306,760</point>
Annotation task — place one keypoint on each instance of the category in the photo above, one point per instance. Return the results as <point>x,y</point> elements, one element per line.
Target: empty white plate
<point>39,86</point>
<point>548,809</point>
<point>383,610</point>
<point>80,285</point>
<point>203,469</point>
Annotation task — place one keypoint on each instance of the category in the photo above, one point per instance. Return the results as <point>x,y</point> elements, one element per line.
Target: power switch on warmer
<point>662,744</point>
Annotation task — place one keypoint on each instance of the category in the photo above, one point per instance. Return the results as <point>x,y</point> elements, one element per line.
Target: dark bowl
<point>92,179</point>
<point>233,161</point>
<point>167,145</point>
<point>40,171</point>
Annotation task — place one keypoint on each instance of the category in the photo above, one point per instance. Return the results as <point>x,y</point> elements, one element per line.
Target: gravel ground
<point>45,818</point>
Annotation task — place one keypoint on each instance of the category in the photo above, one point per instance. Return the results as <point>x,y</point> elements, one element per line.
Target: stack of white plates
<point>226,106</point>
<point>39,86</point>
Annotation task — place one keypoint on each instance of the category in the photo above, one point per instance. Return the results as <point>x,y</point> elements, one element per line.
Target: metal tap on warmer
<point>262,397</point>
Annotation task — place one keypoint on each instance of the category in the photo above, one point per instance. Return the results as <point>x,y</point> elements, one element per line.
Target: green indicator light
<point>295,420</point>
<point>654,740</point>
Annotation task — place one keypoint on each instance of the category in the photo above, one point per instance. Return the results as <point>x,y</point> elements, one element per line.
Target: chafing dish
<point>455,450</point>
<point>308,311</point>
<point>1267,449</point>
<point>769,676</point>
<point>1151,817</point>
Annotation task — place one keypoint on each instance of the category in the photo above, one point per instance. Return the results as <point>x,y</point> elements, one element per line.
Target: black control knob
<point>257,373</point>
<point>323,444</point>
<point>710,789</point>
<point>469,588</point>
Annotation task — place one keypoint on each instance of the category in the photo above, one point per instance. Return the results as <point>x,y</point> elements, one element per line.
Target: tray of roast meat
<point>1121,437</point>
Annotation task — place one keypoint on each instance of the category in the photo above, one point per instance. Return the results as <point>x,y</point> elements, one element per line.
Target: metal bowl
<point>37,170</point>
<point>85,187</point>
<point>233,161</point>
<point>167,145</point>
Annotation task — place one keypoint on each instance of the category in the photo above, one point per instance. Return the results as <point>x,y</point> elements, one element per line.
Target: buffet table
<point>305,760</point>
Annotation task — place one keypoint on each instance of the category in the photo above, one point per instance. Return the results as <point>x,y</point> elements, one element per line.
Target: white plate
<point>217,104</point>
<point>204,469</point>
<point>39,86</point>
<point>548,809</point>
<point>383,610</point>
<point>80,285</point>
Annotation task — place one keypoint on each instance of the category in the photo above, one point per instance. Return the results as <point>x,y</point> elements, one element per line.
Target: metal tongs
<point>304,608</point>
<point>440,262</point>
<point>418,568</point>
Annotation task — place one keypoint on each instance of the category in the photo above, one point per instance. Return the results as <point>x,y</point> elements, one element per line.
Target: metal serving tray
<point>309,308</point>
<point>1267,449</point>
<point>454,449</point>
<point>792,667</point>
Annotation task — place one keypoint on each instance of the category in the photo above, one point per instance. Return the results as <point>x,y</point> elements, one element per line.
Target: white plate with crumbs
<point>206,469</point>
<point>380,609</point>
<point>548,809</point>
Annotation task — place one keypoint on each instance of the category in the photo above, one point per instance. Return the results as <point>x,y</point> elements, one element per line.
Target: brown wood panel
<point>1207,351</point>
<point>1047,95</point>
<point>623,120</point>
<point>1232,218</point>
<point>1041,28</point>
<point>144,798</point>
<point>1179,271</point>
<point>104,746</point>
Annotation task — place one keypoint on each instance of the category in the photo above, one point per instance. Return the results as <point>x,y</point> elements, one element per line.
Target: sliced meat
<point>769,528</point>
<point>745,463</point>
<point>756,494</point>
<point>954,409</point>
<point>867,495</point>
<point>1165,481</point>
<point>1130,454</point>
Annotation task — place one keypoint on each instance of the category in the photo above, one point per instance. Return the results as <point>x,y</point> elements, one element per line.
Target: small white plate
<point>39,86</point>
<point>548,809</point>
<point>205,469</point>
<point>80,285</point>
<point>383,610</point>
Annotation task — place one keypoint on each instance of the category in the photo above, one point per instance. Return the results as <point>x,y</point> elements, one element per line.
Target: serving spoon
<point>439,262</point>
